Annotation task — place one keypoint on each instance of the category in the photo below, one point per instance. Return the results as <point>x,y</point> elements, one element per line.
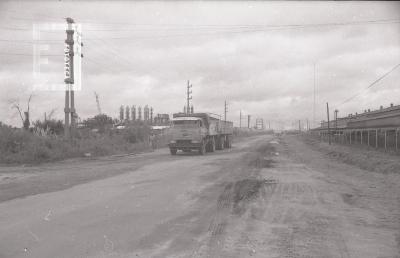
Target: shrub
<point>22,146</point>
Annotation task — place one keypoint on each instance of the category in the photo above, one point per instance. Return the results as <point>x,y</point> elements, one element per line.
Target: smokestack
<point>127,113</point>
<point>139,113</point>
<point>133,112</point>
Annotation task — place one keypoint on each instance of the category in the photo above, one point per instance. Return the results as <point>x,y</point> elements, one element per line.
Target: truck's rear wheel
<point>220,143</point>
<point>173,151</point>
<point>228,142</point>
<point>202,149</point>
<point>212,146</point>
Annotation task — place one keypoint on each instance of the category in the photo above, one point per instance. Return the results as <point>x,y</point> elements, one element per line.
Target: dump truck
<point>202,132</point>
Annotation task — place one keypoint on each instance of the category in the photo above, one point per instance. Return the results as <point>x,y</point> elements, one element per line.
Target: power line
<point>241,26</point>
<point>247,30</point>
<point>31,42</point>
<point>370,85</point>
<point>222,26</point>
<point>23,54</point>
<point>111,50</point>
<point>218,25</point>
<point>216,30</point>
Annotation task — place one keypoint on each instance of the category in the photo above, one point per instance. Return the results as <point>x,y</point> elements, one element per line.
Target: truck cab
<point>187,133</point>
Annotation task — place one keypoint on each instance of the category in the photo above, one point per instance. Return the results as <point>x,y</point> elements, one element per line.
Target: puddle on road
<point>237,195</point>
<point>348,198</point>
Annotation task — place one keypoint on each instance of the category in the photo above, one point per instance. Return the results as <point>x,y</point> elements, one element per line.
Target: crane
<point>98,102</point>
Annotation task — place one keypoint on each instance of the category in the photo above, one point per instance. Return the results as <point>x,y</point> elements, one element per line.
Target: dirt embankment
<point>368,159</point>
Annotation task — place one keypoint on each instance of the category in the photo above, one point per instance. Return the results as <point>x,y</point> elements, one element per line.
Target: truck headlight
<point>172,142</point>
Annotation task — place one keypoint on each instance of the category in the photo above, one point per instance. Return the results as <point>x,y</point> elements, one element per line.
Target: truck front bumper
<point>184,145</point>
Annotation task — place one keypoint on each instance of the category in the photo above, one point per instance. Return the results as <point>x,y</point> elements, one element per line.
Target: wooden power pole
<point>329,128</point>
<point>188,97</point>
<point>225,110</point>
<point>240,119</point>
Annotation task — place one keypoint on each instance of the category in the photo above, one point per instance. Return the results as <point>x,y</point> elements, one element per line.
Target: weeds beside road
<point>368,159</point>
<point>18,146</point>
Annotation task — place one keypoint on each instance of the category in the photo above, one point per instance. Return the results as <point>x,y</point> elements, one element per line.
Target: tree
<point>98,122</point>
<point>25,121</point>
<point>51,126</point>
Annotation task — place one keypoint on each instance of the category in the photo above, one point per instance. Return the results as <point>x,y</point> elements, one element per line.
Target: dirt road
<point>266,197</point>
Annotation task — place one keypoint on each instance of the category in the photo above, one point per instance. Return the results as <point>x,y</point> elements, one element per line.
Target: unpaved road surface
<point>266,197</point>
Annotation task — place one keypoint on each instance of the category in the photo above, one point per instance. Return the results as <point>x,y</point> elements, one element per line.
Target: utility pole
<point>299,126</point>
<point>314,100</point>
<point>336,117</point>
<point>248,121</point>
<point>240,121</point>
<point>329,128</point>
<point>69,75</point>
<point>188,97</point>
<point>225,111</point>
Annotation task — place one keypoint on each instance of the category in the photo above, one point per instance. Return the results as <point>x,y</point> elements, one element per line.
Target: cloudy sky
<point>258,56</point>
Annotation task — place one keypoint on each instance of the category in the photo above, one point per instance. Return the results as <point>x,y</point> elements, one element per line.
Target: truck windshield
<point>189,123</point>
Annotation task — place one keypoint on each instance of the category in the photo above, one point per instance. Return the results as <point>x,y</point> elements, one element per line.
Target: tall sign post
<point>72,79</point>
<point>69,75</point>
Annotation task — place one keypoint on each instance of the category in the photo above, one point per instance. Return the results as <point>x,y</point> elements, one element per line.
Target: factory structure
<point>373,128</point>
<point>131,114</point>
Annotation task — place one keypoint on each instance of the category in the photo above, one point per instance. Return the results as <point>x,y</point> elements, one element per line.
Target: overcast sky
<point>259,56</point>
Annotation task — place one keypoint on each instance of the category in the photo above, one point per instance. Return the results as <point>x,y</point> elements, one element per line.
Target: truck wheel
<point>228,143</point>
<point>173,151</point>
<point>202,149</point>
<point>219,143</point>
<point>212,146</point>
